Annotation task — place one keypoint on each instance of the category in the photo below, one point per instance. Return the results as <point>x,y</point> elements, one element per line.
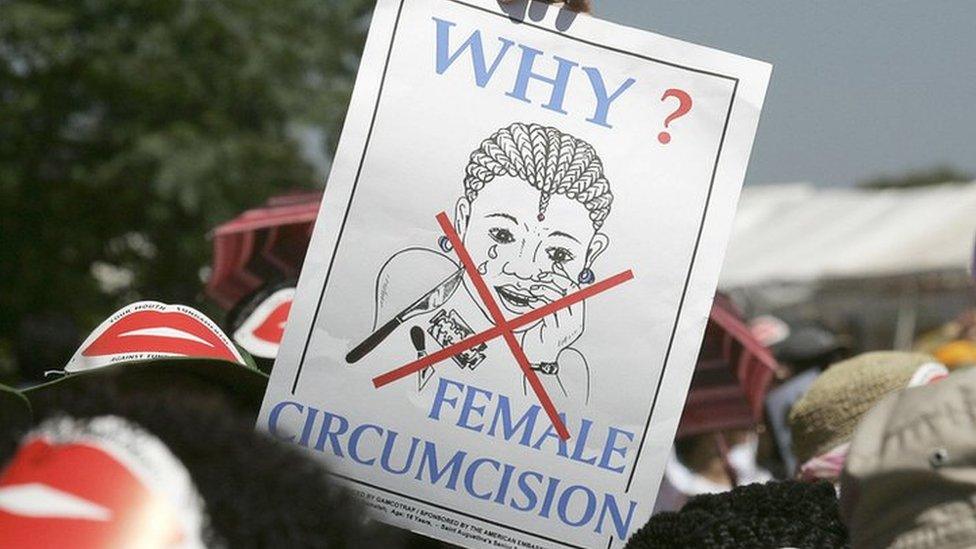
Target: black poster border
<point>684,292</point>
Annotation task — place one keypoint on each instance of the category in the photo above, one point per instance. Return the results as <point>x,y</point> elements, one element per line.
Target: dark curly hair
<point>551,161</point>
<point>257,492</point>
<point>761,516</point>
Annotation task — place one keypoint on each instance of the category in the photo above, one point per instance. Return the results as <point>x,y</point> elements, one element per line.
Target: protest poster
<point>507,286</point>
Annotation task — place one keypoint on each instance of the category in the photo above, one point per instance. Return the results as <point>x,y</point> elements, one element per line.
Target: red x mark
<point>502,328</point>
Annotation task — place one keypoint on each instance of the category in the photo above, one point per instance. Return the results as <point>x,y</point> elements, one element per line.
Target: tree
<point>939,175</point>
<point>128,129</point>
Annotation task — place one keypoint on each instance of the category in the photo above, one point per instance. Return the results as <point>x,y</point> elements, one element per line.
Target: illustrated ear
<point>598,244</point>
<point>462,214</point>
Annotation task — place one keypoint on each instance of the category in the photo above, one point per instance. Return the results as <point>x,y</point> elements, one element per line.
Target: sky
<point>859,88</point>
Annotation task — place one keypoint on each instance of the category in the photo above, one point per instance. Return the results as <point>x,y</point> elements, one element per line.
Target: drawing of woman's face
<point>515,250</point>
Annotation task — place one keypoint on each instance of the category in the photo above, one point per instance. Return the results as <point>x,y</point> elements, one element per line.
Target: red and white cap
<point>98,483</point>
<point>148,330</point>
<point>261,332</point>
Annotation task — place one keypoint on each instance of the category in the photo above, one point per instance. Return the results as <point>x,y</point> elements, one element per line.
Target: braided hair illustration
<point>551,161</point>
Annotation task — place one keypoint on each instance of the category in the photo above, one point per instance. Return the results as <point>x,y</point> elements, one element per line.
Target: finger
<point>561,287</point>
<point>546,292</point>
<point>533,335</point>
<point>581,6</point>
<point>568,313</point>
<point>564,284</point>
<point>563,280</point>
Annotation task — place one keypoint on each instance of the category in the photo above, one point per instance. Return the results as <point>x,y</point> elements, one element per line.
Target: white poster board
<point>538,136</point>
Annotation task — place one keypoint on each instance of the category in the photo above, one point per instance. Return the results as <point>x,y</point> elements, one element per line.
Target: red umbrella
<point>730,382</point>
<point>731,378</point>
<point>261,245</point>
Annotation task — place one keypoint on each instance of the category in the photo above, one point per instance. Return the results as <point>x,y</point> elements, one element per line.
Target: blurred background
<point>131,130</point>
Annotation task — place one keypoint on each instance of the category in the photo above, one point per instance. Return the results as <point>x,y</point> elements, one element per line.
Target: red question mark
<point>684,106</point>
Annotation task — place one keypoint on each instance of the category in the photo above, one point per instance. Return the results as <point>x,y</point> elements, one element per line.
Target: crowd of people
<point>884,447</point>
<point>875,451</point>
<point>879,451</point>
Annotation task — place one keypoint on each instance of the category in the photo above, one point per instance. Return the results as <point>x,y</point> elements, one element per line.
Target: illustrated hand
<point>544,341</point>
<point>581,6</point>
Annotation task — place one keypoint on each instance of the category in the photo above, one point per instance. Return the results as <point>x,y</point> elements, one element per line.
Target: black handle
<point>372,341</point>
<point>418,337</point>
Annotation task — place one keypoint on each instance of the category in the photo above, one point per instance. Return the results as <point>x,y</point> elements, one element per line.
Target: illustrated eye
<point>502,236</point>
<point>559,255</point>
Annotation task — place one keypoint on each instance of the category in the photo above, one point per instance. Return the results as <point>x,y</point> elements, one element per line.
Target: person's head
<point>257,322</point>
<point>200,358</point>
<point>910,474</point>
<point>808,345</point>
<point>99,482</point>
<point>534,202</point>
<point>775,514</point>
<point>256,491</point>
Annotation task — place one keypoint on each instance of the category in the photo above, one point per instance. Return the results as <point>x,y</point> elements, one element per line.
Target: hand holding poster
<point>508,282</point>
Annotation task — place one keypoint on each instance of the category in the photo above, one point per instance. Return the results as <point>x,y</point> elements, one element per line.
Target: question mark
<point>684,106</point>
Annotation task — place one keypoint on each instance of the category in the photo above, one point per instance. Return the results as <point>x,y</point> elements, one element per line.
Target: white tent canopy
<point>801,233</point>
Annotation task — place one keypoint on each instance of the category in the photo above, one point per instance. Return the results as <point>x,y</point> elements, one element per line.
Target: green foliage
<point>128,129</point>
<point>939,175</point>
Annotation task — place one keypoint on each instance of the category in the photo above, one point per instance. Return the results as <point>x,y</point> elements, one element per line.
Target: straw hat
<point>826,415</point>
